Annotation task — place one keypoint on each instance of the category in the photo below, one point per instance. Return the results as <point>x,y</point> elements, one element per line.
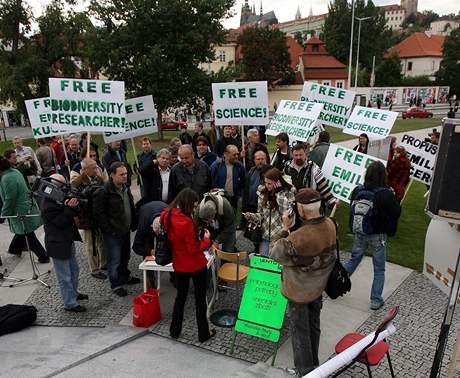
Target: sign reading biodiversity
<point>39,111</point>
<point>337,102</point>
<point>89,105</point>
<point>345,169</point>
<point>296,118</point>
<point>262,309</point>
<point>242,103</point>
<point>422,156</point>
<point>376,123</point>
<point>140,119</point>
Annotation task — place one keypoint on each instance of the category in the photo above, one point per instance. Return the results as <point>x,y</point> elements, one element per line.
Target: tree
<point>388,72</point>
<point>449,69</point>
<point>266,56</point>
<point>156,47</point>
<point>427,18</point>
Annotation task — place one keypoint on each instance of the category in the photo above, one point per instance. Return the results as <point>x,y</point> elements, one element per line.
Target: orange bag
<point>146,309</point>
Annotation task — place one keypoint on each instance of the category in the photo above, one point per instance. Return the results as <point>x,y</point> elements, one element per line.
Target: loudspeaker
<point>444,199</point>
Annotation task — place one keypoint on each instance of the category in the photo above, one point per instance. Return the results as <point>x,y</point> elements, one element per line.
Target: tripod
<point>35,272</point>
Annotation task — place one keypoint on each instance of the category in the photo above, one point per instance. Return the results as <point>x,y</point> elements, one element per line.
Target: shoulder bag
<point>339,282</point>
<point>163,252</point>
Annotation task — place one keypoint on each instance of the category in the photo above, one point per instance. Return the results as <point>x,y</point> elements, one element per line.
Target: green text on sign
<point>259,331</point>
<point>265,263</point>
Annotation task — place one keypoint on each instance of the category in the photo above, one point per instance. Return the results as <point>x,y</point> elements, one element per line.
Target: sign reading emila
<point>337,102</point>
<point>91,105</point>
<point>376,123</point>
<point>242,103</point>
<point>140,119</point>
<point>296,118</point>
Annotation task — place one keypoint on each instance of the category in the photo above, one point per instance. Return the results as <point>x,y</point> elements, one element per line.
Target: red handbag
<point>146,309</point>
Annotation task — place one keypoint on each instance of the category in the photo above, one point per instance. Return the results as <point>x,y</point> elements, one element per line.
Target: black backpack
<point>13,318</point>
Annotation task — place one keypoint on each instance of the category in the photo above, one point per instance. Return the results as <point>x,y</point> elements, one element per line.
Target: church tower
<point>298,15</point>
<point>246,12</point>
<point>410,6</point>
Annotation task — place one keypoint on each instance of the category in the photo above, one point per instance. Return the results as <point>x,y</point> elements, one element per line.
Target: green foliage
<point>388,72</point>
<point>232,72</point>
<point>416,81</point>
<point>428,17</point>
<point>449,70</point>
<point>266,56</point>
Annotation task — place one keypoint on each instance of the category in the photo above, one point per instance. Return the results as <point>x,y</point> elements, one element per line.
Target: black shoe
<point>82,297</point>
<point>133,281</point>
<point>121,292</point>
<point>212,333</point>
<point>99,275</point>
<point>44,260</point>
<point>76,309</point>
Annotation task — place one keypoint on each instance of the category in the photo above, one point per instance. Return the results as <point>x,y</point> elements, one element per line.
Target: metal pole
<point>350,57</point>
<point>357,53</point>
<point>137,160</point>
<point>372,83</point>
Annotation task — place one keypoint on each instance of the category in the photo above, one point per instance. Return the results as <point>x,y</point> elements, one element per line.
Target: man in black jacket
<point>115,153</point>
<point>145,158</point>
<point>114,213</point>
<point>155,175</point>
<point>60,234</point>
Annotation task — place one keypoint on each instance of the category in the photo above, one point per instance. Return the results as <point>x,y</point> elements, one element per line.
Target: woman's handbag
<point>163,253</point>
<point>339,282</point>
<point>253,231</point>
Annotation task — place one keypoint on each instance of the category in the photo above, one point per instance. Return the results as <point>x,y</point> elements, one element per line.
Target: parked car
<point>169,123</point>
<point>416,113</point>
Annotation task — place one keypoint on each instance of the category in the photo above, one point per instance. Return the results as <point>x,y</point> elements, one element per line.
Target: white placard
<point>87,105</point>
<point>39,111</point>
<point>345,169</point>
<point>337,102</point>
<point>379,148</point>
<point>140,119</point>
<point>422,156</point>
<point>298,119</point>
<point>241,103</point>
<point>376,123</point>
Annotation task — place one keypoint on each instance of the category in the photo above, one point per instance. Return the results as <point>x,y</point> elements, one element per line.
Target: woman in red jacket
<point>398,169</point>
<point>188,262</point>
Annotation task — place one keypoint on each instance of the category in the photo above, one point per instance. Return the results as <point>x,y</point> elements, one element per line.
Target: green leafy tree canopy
<point>449,70</point>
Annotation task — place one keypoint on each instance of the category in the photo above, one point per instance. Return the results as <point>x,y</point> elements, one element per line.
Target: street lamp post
<point>350,57</point>
<point>357,49</point>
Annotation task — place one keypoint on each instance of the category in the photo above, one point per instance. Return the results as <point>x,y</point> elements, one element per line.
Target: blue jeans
<point>378,243</point>
<point>264,247</point>
<point>228,245</point>
<point>117,250</point>
<point>67,275</point>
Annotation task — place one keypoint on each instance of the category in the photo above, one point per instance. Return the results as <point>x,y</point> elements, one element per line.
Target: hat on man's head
<point>207,211</point>
<point>307,195</point>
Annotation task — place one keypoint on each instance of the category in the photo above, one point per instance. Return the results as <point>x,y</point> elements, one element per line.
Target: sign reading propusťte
<point>39,111</point>
<point>376,123</point>
<point>422,156</point>
<point>140,119</point>
<point>242,103</point>
<point>337,102</point>
<point>345,169</point>
<point>87,105</point>
<point>296,118</point>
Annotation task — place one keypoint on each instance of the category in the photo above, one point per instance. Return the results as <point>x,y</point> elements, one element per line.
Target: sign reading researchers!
<point>376,123</point>
<point>39,111</point>
<point>296,118</point>
<point>345,169</point>
<point>87,105</point>
<point>422,156</point>
<point>140,119</point>
<point>242,103</point>
<point>337,102</point>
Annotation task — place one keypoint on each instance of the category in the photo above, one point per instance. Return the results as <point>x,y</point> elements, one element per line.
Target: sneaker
<point>99,275</point>
<point>121,292</point>
<point>133,281</point>
<point>376,305</point>
<point>82,297</point>
<point>76,309</point>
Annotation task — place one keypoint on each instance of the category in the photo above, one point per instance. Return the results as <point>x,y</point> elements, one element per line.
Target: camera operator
<point>60,234</point>
<point>87,182</point>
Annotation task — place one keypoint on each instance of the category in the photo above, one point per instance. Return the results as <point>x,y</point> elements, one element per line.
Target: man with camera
<point>87,182</point>
<point>60,234</point>
<point>113,209</point>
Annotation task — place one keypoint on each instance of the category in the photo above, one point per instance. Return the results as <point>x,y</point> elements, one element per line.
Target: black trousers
<point>19,241</point>
<point>199,283</point>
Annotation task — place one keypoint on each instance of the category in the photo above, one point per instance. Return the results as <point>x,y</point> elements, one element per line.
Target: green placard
<point>259,331</point>
<point>265,263</point>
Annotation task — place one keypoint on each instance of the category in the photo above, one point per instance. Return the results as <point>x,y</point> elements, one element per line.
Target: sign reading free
<point>296,118</point>
<point>39,111</point>
<point>242,103</point>
<point>89,105</point>
<point>337,102</point>
<point>140,119</point>
<point>345,169</point>
<point>376,123</point>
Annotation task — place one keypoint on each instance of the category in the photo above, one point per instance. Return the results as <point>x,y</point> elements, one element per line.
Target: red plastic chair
<point>370,355</point>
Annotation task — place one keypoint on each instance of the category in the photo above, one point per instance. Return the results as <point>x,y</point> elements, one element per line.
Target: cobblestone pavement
<point>104,307</point>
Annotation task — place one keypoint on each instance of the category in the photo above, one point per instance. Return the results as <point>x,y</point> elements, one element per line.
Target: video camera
<point>48,188</point>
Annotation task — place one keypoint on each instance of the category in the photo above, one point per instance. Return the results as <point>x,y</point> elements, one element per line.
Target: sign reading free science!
<point>337,102</point>
<point>298,119</point>
<point>241,103</point>
<point>376,123</point>
<point>87,105</point>
<point>345,169</point>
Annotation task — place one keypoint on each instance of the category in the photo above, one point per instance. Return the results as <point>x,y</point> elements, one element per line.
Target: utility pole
<point>350,57</point>
<point>360,19</point>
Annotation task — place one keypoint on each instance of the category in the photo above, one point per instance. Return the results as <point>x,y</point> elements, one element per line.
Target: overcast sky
<point>285,9</point>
